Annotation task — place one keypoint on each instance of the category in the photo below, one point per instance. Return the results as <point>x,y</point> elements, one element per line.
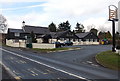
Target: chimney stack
<point>23,23</point>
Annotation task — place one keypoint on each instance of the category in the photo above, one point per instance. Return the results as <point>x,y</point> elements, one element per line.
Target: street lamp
<point>113,16</point>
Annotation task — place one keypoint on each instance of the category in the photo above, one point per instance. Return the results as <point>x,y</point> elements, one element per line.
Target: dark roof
<point>15,30</point>
<point>36,29</point>
<point>53,34</point>
<point>82,35</point>
<point>62,34</point>
<point>44,36</point>
<point>58,34</point>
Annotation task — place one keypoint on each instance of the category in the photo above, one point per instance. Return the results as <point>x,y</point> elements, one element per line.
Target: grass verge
<point>109,59</point>
<point>56,49</point>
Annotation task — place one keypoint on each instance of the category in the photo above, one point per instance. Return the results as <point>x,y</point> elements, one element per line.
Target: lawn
<point>56,49</point>
<point>109,59</point>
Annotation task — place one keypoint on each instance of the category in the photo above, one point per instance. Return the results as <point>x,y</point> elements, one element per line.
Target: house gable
<point>15,34</point>
<point>87,35</point>
<point>91,35</point>
<point>63,34</point>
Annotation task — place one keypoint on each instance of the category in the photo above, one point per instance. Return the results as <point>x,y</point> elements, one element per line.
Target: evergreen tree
<point>64,26</point>
<point>94,31</point>
<point>61,27</point>
<point>52,27</point>
<point>79,28</point>
<point>67,25</point>
<point>32,35</point>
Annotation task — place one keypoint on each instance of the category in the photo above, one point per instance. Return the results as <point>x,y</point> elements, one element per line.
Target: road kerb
<point>10,73</point>
<point>99,62</point>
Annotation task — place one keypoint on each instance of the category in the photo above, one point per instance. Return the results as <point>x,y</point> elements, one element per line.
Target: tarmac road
<point>75,64</point>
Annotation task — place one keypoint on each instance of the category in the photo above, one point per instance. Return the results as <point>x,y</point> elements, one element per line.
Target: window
<point>62,39</point>
<point>69,34</point>
<point>76,39</point>
<point>73,40</point>
<point>80,40</point>
<point>91,40</point>
<point>15,41</point>
<point>96,40</point>
<point>87,39</point>
<point>17,34</point>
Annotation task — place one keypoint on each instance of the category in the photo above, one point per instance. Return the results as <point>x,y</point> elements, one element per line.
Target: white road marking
<point>33,73</point>
<point>89,62</point>
<point>22,61</point>
<point>84,62</point>
<point>77,76</point>
<point>15,72</point>
<point>94,65</point>
<point>49,71</point>
<point>39,71</point>
<point>11,58</point>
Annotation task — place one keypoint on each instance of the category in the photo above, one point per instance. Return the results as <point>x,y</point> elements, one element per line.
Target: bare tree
<point>3,23</point>
<point>89,27</point>
<point>102,28</point>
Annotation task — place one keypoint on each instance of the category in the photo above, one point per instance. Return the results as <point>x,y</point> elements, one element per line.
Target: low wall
<point>43,45</point>
<point>15,44</point>
<point>21,43</point>
<point>85,43</point>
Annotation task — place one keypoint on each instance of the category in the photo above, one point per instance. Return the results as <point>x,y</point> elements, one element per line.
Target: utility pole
<point>113,16</point>
<point>113,38</point>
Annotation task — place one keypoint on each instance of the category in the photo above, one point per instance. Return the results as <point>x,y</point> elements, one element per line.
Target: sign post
<point>113,16</point>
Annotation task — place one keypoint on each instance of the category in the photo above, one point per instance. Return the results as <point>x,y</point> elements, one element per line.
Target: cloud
<point>33,6</point>
<point>82,11</point>
<point>6,1</point>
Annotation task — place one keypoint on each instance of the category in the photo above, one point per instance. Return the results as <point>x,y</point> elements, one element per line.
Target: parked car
<point>58,44</point>
<point>62,44</point>
<point>68,43</point>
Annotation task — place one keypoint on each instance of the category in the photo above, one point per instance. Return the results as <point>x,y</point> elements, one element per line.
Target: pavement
<point>75,64</point>
<point>4,76</point>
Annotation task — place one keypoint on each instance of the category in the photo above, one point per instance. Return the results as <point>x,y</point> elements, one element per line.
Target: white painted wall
<point>21,43</point>
<point>11,43</point>
<point>78,43</point>
<point>43,45</point>
<point>85,43</point>
<point>39,40</point>
<point>52,40</point>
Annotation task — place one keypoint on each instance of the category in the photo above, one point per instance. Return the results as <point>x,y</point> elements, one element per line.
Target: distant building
<point>119,17</point>
<point>63,36</point>
<point>88,36</point>
<point>22,37</point>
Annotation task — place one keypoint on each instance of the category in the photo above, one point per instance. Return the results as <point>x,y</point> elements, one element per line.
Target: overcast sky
<point>43,12</point>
